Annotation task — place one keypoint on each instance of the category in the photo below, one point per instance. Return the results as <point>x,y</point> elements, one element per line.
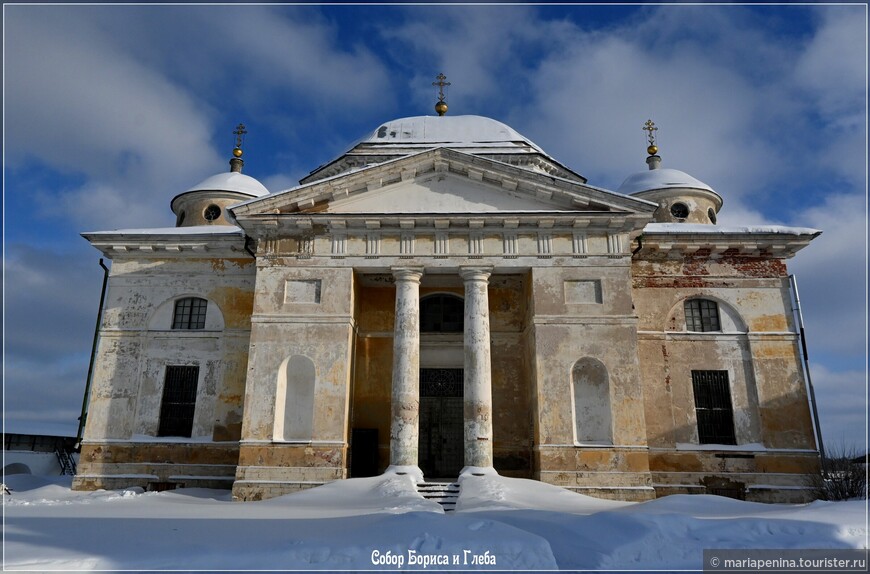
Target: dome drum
<point>206,202</point>
<point>683,205</point>
<point>205,207</point>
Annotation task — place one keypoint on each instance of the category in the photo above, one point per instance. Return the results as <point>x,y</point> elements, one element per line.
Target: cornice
<point>662,245</point>
<point>308,224</point>
<point>162,246</point>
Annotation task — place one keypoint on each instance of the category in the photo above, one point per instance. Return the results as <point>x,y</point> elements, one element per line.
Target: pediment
<point>443,180</point>
<point>440,193</point>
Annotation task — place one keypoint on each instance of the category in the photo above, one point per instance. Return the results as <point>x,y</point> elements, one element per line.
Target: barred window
<point>179,401</point>
<point>713,407</point>
<point>702,315</point>
<point>442,314</point>
<point>189,313</point>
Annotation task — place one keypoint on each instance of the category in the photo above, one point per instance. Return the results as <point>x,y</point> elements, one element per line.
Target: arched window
<point>442,314</point>
<point>702,315</point>
<point>189,313</point>
<point>592,417</point>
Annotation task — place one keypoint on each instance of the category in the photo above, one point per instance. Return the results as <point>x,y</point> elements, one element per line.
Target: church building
<point>447,295</point>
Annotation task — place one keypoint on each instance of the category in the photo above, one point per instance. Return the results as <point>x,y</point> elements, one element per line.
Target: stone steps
<point>444,493</point>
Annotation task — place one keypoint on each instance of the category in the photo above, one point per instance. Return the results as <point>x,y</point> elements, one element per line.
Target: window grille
<point>702,315</point>
<point>442,382</point>
<point>442,314</point>
<point>189,313</point>
<point>179,401</point>
<point>713,407</point>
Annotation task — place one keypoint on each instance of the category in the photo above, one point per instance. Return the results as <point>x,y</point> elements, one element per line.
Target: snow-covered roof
<point>232,181</point>
<point>189,230</point>
<point>662,178</point>
<point>446,130</point>
<point>732,229</point>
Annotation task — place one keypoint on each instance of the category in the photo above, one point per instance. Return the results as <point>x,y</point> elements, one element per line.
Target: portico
<point>538,267</point>
<point>477,383</point>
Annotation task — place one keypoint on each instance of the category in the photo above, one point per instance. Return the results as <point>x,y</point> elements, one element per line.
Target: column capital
<point>475,273</point>
<point>407,273</point>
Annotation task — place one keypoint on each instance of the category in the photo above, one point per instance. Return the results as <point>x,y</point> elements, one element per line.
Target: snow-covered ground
<point>369,523</point>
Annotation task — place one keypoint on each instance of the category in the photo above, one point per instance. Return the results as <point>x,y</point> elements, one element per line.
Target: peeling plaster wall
<point>137,342</point>
<point>581,312</point>
<point>306,312</point>
<point>757,346</point>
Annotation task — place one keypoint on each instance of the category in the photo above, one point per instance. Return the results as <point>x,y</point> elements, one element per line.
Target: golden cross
<point>650,127</point>
<point>239,132</point>
<point>441,83</point>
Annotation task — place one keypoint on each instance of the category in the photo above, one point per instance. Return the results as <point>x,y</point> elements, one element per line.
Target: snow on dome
<point>232,181</point>
<point>662,178</point>
<point>446,129</point>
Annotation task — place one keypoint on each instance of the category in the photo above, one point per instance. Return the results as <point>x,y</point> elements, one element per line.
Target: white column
<point>405,405</point>
<point>478,368</point>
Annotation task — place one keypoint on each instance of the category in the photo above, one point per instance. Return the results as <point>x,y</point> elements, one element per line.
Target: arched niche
<point>729,319</point>
<point>294,399</point>
<point>590,384</point>
<point>161,318</point>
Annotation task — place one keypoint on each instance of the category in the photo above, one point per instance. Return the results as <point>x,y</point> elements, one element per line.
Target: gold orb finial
<point>441,106</point>
<point>237,162</point>
<point>652,150</point>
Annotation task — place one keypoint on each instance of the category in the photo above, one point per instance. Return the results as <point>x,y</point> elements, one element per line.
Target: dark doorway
<point>441,446</point>
<point>363,452</point>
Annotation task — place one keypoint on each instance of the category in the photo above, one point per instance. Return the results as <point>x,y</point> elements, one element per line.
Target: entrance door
<point>441,447</point>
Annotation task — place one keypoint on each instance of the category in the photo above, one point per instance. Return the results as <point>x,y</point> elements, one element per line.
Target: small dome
<point>232,181</point>
<point>663,178</point>
<point>446,129</point>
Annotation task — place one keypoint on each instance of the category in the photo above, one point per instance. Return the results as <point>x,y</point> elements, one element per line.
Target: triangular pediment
<point>443,180</point>
<point>439,193</point>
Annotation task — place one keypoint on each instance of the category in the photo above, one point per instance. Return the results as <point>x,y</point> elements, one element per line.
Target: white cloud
<point>304,55</point>
<point>78,104</point>
<point>833,66</point>
<point>135,115</point>
<point>49,296</point>
<point>842,405</point>
<point>477,47</point>
<point>831,276</point>
<point>51,299</point>
<point>279,182</point>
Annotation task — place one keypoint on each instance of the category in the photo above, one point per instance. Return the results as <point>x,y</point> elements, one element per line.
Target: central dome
<point>447,130</point>
<point>474,135</point>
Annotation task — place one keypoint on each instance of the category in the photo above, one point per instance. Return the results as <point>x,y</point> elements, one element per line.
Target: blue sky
<point>110,111</point>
